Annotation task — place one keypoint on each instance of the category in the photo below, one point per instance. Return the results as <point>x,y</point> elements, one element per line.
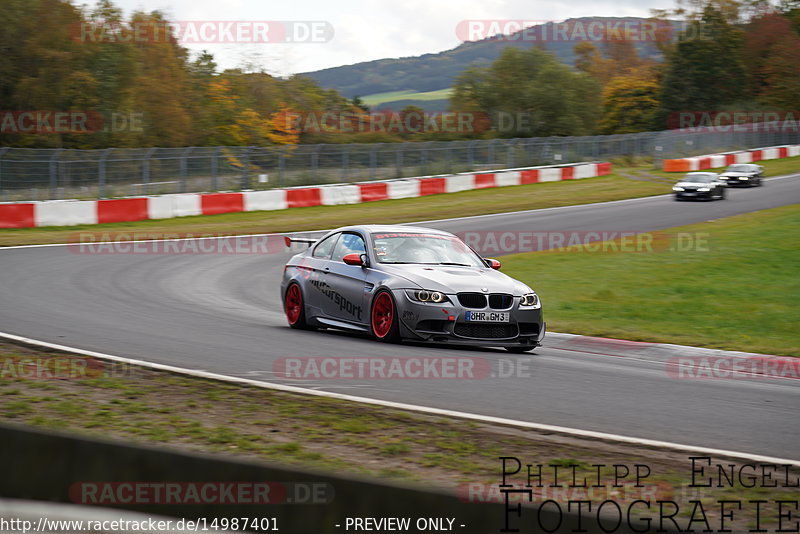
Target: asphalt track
<point>221,313</point>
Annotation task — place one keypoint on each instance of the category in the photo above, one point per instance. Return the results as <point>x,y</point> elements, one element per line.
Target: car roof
<point>395,228</point>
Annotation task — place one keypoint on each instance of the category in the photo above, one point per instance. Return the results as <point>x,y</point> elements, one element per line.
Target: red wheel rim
<point>294,303</point>
<point>382,315</point>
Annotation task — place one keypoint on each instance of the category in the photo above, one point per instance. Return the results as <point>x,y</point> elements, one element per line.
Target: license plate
<point>487,317</point>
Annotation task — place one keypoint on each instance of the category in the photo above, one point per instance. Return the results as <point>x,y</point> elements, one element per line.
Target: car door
<point>347,302</point>
<point>315,266</point>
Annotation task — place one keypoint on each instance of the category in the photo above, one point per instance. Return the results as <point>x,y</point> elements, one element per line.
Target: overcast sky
<point>365,31</point>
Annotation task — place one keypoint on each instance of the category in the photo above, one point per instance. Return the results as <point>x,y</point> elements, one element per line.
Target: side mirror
<point>353,259</point>
<point>494,264</point>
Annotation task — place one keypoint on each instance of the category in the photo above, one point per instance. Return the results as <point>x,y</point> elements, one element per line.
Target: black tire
<point>383,321</point>
<point>677,198</point>
<point>722,194</point>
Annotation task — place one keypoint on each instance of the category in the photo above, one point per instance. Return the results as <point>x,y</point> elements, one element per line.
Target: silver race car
<point>402,282</point>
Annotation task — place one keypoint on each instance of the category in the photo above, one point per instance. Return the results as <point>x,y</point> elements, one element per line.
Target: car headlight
<point>423,295</point>
<point>529,299</point>
<point>677,188</point>
<point>704,189</point>
<point>743,177</point>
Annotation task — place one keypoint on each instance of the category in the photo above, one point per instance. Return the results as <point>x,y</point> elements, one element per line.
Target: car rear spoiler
<point>289,240</point>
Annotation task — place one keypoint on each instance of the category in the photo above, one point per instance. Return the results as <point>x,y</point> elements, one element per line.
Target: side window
<point>324,247</point>
<point>349,244</point>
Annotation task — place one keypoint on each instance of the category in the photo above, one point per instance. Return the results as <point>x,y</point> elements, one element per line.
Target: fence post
<point>315,158</point>
<point>183,165</point>
<point>345,161</point>
<point>101,173</point>
<point>146,169</point>
<point>282,163</point>
<point>448,158</point>
<point>214,168</point>
<point>54,173</point>
<point>373,161</point>
<point>245,181</point>
<point>3,151</point>
<point>398,160</point>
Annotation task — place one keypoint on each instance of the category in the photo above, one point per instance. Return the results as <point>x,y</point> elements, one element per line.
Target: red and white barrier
<point>713,161</point>
<point>74,212</point>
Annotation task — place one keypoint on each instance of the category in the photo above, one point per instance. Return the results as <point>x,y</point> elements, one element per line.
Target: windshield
<point>429,249</point>
<point>739,168</point>
<point>700,178</point>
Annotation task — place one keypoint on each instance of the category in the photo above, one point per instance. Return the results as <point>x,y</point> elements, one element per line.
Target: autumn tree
<point>705,71</point>
<point>772,57</point>
<point>529,93</point>
<point>591,62</point>
<point>630,104</point>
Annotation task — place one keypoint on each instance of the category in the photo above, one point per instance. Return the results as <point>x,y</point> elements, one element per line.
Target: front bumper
<point>735,181</point>
<point>445,323</point>
<point>693,194</point>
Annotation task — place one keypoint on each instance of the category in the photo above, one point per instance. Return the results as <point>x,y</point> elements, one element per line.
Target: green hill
<point>434,72</point>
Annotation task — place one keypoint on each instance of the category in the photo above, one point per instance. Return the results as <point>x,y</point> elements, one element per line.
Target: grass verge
<point>477,202</point>
<point>465,203</point>
<point>734,287</point>
<point>147,406</point>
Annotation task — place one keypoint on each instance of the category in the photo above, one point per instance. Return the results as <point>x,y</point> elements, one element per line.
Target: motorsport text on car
<point>705,185</point>
<point>748,174</point>
<point>404,282</point>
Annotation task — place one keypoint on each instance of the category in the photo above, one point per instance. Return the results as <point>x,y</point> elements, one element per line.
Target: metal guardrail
<point>42,174</point>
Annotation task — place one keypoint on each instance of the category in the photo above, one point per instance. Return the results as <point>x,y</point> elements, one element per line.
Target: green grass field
<point>738,290</point>
<point>380,98</point>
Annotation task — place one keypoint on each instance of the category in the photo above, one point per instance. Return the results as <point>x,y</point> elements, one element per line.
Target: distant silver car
<point>747,174</point>
<point>403,282</point>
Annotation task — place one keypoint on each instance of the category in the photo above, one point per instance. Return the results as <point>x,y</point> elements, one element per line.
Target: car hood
<point>735,174</point>
<point>454,279</point>
<point>691,184</point>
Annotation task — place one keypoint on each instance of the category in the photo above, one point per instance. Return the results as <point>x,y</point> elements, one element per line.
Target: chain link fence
<point>42,174</point>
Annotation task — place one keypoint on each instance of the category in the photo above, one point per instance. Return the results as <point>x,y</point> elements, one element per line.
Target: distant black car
<point>705,185</point>
<point>742,174</point>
